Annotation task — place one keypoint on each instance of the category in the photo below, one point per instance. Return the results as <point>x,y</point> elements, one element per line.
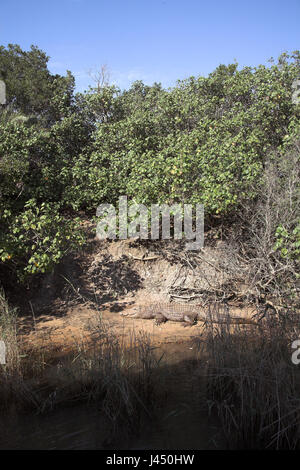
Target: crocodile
<point>162,316</point>
<point>187,314</point>
<point>162,312</point>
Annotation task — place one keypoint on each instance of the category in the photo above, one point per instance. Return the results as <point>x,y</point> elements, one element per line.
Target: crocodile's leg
<point>160,318</point>
<point>189,320</point>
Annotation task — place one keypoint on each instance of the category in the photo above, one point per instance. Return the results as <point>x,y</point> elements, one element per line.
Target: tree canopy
<point>207,140</point>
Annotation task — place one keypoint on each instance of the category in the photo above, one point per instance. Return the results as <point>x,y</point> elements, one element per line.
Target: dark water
<point>71,428</point>
<point>181,422</point>
<point>83,428</point>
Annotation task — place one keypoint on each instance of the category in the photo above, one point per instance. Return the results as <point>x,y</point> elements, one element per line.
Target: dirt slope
<point>110,278</point>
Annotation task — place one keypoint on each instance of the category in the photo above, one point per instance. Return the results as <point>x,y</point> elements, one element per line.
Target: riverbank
<point>75,346</point>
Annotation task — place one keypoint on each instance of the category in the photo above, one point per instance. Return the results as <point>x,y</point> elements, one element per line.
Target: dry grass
<point>251,381</point>
<point>116,376</point>
<point>8,334</point>
<point>253,384</point>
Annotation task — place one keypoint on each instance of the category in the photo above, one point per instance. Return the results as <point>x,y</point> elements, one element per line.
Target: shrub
<point>37,238</point>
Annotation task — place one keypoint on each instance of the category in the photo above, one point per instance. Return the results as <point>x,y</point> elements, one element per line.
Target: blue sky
<point>153,40</point>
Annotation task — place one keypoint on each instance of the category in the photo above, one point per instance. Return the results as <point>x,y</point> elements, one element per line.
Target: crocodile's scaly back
<point>169,311</point>
<point>188,314</point>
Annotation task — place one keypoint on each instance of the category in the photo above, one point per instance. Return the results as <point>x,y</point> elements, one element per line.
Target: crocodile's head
<point>130,312</point>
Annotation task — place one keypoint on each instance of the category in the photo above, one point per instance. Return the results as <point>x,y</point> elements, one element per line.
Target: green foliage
<point>287,233</point>
<point>288,242</point>
<point>37,238</point>
<point>207,141</point>
<point>30,87</point>
<point>16,140</point>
